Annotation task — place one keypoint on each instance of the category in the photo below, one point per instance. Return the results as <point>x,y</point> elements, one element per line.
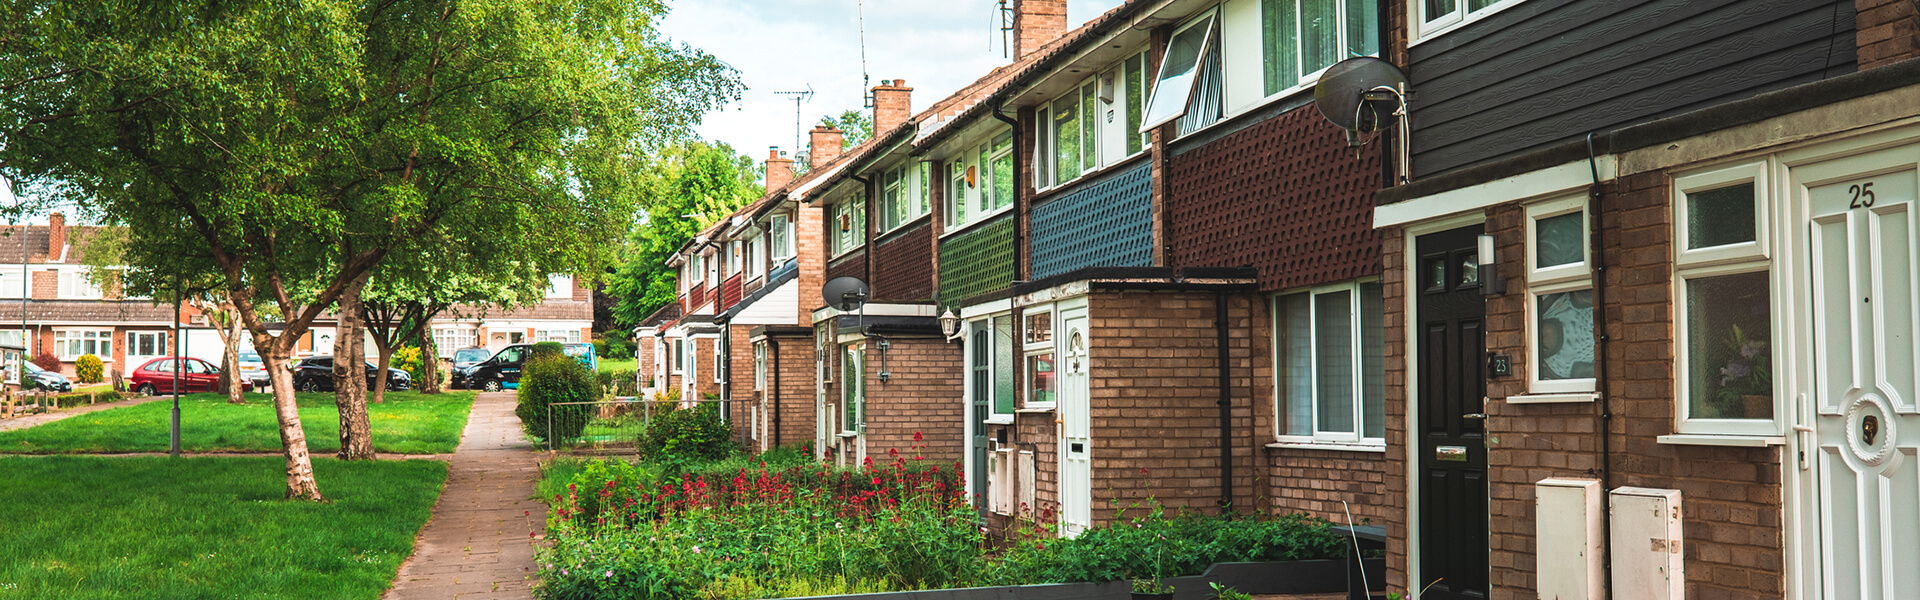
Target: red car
<point>156,377</point>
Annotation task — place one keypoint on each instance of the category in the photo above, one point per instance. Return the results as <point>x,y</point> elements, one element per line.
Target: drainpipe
<point>773,389</point>
<point>1597,232</point>
<point>1226,404</point>
<point>1019,227</point>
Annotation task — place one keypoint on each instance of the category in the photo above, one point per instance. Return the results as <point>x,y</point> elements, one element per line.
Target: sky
<point>788,45</point>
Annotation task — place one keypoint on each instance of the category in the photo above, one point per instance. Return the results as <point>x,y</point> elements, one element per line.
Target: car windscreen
<point>472,355</point>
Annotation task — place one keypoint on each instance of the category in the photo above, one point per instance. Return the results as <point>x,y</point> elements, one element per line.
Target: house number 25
<point>1862,195</point>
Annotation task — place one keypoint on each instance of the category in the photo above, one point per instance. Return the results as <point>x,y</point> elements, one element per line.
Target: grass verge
<point>407,423</point>
<point>159,528</point>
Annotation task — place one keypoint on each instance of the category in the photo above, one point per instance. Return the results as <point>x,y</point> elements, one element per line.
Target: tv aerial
<point>1353,94</point>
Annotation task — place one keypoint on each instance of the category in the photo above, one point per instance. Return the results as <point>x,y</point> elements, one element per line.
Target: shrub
<point>619,349</point>
<point>46,360</point>
<point>408,359</point>
<point>694,434</point>
<point>548,348</point>
<point>88,368</point>
<point>550,379</point>
<point>617,383</point>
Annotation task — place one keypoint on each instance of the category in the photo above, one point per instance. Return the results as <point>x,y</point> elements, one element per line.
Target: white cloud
<point>787,45</point>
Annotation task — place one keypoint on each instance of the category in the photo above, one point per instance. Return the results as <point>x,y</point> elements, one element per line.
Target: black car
<point>47,380</point>
<point>467,357</point>
<point>494,374</point>
<point>316,375</point>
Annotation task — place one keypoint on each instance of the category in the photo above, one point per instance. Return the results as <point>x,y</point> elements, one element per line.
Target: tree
<point>401,303</point>
<point>856,127</point>
<point>696,178</point>
<point>275,148</point>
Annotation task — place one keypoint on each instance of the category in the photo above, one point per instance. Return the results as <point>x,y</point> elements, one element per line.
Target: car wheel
<point>492,385</point>
<point>309,385</point>
<point>145,389</point>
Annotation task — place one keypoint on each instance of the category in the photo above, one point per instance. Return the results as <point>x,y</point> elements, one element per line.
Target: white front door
<point>1076,443</point>
<point>143,346</point>
<point>1865,455</point>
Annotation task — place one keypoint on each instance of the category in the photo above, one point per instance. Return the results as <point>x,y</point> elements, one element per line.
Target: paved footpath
<point>49,417</point>
<point>476,544</point>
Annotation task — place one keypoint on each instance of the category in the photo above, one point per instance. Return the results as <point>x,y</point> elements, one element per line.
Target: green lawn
<point>407,423</point>
<point>630,364</point>
<point>87,527</point>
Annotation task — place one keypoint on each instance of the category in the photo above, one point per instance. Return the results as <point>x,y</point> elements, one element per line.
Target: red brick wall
<point>1393,513</point>
<point>1886,31</point>
<point>923,396</point>
<point>854,264</point>
<point>703,383</point>
<point>903,265</point>
<point>809,245</point>
<point>1285,196</point>
<point>791,376</point>
<point>46,284</point>
<point>740,384</point>
<point>643,353</point>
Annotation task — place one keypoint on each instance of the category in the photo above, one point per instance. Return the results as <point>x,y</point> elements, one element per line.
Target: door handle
<point>1801,432</point>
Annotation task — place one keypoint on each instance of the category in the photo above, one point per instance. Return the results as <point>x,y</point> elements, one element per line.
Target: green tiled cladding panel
<point>978,261</point>
<point>1104,223</point>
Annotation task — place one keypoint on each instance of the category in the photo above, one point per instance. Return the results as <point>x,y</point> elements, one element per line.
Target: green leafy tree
<point>286,151</point>
<point>709,181</point>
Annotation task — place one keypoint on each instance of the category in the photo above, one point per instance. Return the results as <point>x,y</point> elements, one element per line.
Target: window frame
<point>1556,279</point>
<point>853,393</point>
<point>903,196</point>
<point>102,339</point>
<point>1420,30</point>
<point>853,209</point>
<point>751,247</point>
<point>678,364</point>
<point>1208,18</point>
<point>1031,350</point>
<point>958,202</point>
<point>986,325</point>
<point>74,284</point>
<point>160,339</point>
<point>1356,320</point>
<point>760,365</point>
<point>1739,258</point>
<point>719,361</point>
<point>782,229</point>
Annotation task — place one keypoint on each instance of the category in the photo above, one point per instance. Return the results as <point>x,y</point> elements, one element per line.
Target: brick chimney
<point>824,143</point>
<point>56,236</point>
<point>892,105</point>
<point>779,169</point>
<point>1037,23</point>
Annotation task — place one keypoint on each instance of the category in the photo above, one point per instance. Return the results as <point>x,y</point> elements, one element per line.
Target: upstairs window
<point>1095,125</point>
<point>750,251</point>
<point>736,257</point>
<point>1432,17</point>
<point>848,224</point>
<point>903,195</point>
<point>1301,38</point>
<point>978,182</point>
<point>782,238</point>
<point>75,285</point>
<point>1180,70</point>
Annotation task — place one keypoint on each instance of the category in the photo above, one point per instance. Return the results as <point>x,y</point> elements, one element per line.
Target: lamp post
<point>173,445</point>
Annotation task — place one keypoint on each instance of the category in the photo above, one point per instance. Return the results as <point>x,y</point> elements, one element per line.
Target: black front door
<point>1452,386</point>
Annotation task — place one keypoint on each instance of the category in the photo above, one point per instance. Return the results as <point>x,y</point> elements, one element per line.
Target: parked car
<point>316,375</point>
<point>156,376</point>
<point>47,380</point>
<point>252,368</point>
<point>502,371</point>
<point>467,357</point>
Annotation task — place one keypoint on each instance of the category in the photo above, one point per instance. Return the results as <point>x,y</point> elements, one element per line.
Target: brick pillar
<point>1886,31</point>
<point>779,169</point>
<point>892,106</point>
<point>823,145</point>
<point>56,236</point>
<point>1037,23</point>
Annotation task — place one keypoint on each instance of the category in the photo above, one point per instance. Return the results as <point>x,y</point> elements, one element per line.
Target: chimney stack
<point>56,236</point>
<point>892,106</point>
<point>779,169</point>
<point>1037,23</point>
<point>824,143</point>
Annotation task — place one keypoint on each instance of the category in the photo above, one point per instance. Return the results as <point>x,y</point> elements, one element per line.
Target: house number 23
<point>1862,195</point>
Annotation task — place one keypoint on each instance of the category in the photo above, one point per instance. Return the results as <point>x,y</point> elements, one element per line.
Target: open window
<point>1180,71</point>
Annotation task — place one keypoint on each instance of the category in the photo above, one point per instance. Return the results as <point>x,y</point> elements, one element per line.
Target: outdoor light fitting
<point>1490,282</point>
<point>950,325</point>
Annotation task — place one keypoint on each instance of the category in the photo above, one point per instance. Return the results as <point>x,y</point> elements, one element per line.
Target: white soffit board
<point>1549,181</point>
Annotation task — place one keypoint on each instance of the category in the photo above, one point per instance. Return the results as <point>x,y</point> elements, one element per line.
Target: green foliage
<point>208,527</point>
<point>47,361</point>
<point>85,398</point>
<point>407,423</point>
<point>685,435</point>
<point>548,349</point>
<point>88,368</point>
<point>695,178</point>
<point>617,383</point>
<point>551,378</point>
<point>1155,546</point>
<point>407,359</point>
<point>1221,592</point>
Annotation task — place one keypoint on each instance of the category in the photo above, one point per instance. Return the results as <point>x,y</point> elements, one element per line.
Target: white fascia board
<point>1550,181</point>
<point>880,310</point>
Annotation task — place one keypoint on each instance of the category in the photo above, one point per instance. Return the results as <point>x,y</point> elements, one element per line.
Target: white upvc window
<point>1559,298</point>
<point>719,361</point>
<point>760,365</point>
<point>70,344</point>
<point>12,283</point>
<point>847,224</point>
<point>679,362</point>
<point>1430,18</point>
<point>903,194</point>
<point>696,270</point>
<point>752,262</point>
<point>782,237</point>
<point>736,257</point>
<point>853,398</point>
<point>559,286</point>
<point>147,343</point>
<point>1722,303</point>
<point>1036,339</point>
<point>991,366</point>
<point>448,339</point>
<point>979,181</point>
<point>1180,70</point>
<point>565,336</point>
<point>74,285</point>
<point>1276,48</point>
<point>1095,125</point>
<point>1329,364</point>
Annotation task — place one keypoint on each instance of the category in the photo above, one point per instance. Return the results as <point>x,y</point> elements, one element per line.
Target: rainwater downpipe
<point>1226,404</point>
<point>1019,227</point>
<point>1597,248</point>
<point>773,393</point>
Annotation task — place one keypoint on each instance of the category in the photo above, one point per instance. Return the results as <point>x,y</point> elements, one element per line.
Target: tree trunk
<point>230,367</point>
<point>384,349</point>
<point>429,361</point>
<point>350,376</point>
<point>293,440</point>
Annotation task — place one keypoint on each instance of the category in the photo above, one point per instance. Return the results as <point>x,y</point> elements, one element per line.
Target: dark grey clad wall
<point>1546,71</point>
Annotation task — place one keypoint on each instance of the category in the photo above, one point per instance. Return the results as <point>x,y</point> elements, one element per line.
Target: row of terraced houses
<point>1641,323</point>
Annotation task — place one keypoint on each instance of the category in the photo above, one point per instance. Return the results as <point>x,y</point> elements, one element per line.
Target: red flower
<point>876,481</point>
<point>917,437</point>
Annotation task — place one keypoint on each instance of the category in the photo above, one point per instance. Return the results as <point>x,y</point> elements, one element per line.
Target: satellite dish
<point>1352,93</point>
<point>845,294</point>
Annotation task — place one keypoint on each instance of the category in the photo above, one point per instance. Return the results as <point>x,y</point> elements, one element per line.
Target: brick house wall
<point>1886,31</point>
<point>791,376</point>
<point>643,355</point>
<point>740,389</point>
<point>854,264</point>
<point>1395,503</point>
<point>703,370</point>
<point>922,397</point>
<point>810,249</point>
<point>903,264</point>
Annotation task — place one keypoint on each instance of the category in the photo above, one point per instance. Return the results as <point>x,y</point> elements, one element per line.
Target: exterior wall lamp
<point>950,325</point>
<point>1491,284</point>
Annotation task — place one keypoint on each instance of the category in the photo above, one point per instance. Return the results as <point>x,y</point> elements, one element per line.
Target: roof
<point>666,314</point>
<point>103,312</point>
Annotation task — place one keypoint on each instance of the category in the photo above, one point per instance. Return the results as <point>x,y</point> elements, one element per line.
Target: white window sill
<point>1553,398</point>
<point>1738,441</point>
<point>999,420</point>
<point>1096,171</point>
<point>849,434</point>
<point>953,228</point>
<point>1035,409</point>
<point>1339,446</point>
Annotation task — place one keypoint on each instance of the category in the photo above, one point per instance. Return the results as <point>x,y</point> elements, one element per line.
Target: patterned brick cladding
<point>1886,31</point>
<point>729,292</point>
<point>1285,195</point>
<point>1107,222</point>
<point>903,265</point>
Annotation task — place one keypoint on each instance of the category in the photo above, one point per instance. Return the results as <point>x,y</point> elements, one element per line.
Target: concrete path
<point>476,545</point>
<point>49,417</point>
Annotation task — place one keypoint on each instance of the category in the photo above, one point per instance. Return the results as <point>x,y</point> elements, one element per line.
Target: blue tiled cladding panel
<point>1103,223</point>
